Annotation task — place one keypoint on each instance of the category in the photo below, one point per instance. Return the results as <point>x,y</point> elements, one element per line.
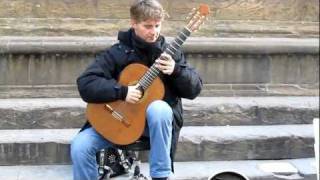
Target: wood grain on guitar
<point>123,123</point>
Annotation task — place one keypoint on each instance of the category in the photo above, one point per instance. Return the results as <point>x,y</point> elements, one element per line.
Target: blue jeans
<point>88,142</point>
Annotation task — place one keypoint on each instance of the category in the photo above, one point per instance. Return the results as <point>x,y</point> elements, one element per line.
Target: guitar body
<point>132,124</point>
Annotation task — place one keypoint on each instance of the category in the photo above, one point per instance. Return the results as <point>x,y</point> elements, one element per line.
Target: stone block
<point>232,69</point>
<point>195,144</point>
<point>62,113</point>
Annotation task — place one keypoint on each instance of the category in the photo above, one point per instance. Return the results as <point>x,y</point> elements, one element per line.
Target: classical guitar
<point>123,123</point>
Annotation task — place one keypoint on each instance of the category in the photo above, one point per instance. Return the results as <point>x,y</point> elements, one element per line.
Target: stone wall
<point>285,18</point>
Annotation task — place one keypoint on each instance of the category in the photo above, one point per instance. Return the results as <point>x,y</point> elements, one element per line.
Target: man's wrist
<point>123,92</point>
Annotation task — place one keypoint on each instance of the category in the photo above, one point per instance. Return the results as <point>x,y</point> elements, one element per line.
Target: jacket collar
<point>151,51</point>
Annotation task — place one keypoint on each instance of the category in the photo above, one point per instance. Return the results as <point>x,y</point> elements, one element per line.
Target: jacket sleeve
<point>185,80</point>
<point>98,84</point>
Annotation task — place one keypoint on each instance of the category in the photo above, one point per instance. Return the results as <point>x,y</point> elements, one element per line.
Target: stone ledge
<point>209,90</point>
<point>55,113</point>
<point>110,27</point>
<point>69,44</point>
<point>183,170</point>
<point>195,144</point>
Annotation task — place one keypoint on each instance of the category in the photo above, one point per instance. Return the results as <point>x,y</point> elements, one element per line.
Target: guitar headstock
<point>198,16</point>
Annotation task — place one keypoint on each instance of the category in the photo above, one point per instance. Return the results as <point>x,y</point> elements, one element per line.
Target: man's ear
<point>133,23</point>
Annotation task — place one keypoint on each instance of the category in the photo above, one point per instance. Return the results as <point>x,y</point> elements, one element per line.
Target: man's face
<point>148,30</point>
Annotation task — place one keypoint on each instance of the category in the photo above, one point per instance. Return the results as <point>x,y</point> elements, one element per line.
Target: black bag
<point>113,162</point>
<point>118,160</point>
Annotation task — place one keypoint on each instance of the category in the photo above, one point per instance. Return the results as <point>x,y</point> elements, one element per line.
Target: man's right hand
<point>134,94</point>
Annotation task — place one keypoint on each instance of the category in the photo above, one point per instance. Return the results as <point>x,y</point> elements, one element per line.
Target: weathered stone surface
<point>183,170</point>
<point>38,69</point>
<point>35,146</point>
<point>288,69</point>
<point>266,61</point>
<point>58,113</point>
<point>222,143</point>
<point>195,144</point>
<point>281,10</point>
<point>110,27</point>
<point>209,90</point>
<point>250,111</point>
<point>105,17</point>
<point>42,113</point>
<point>46,91</point>
<point>204,46</point>
<point>100,18</point>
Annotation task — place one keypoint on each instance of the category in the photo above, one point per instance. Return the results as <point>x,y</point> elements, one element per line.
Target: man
<point>142,43</point>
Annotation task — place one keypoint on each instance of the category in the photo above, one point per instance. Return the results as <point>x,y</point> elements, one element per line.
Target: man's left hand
<point>165,64</point>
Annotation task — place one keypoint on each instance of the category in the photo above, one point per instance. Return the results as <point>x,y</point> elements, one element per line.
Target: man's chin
<point>151,40</point>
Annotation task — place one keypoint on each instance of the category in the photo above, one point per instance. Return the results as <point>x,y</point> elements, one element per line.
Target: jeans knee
<point>79,148</point>
<point>159,112</point>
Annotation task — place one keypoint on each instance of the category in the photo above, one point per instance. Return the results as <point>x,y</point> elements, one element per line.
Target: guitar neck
<point>174,46</point>
<point>178,41</point>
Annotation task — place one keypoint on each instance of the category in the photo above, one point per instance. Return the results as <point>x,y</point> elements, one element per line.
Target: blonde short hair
<point>142,10</point>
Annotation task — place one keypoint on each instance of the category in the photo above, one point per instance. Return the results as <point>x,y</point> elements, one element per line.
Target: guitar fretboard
<point>174,46</point>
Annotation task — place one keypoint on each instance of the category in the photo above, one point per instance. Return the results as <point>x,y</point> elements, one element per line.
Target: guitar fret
<point>182,37</point>
<point>186,28</point>
<point>152,76</point>
<point>145,82</point>
<point>148,79</point>
<point>153,72</point>
<point>185,36</point>
<point>186,31</point>
<point>175,49</point>
<point>170,52</point>
<point>142,84</point>
<point>176,43</point>
<point>178,38</point>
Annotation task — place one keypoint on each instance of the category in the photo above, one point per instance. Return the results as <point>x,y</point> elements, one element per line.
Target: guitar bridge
<point>117,115</point>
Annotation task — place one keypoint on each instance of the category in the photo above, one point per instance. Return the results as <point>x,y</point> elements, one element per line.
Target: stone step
<point>196,143</point>
<point>255,67</point>
<point>57,113</point>
<point>209,90</point>
<point>200,170</point>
